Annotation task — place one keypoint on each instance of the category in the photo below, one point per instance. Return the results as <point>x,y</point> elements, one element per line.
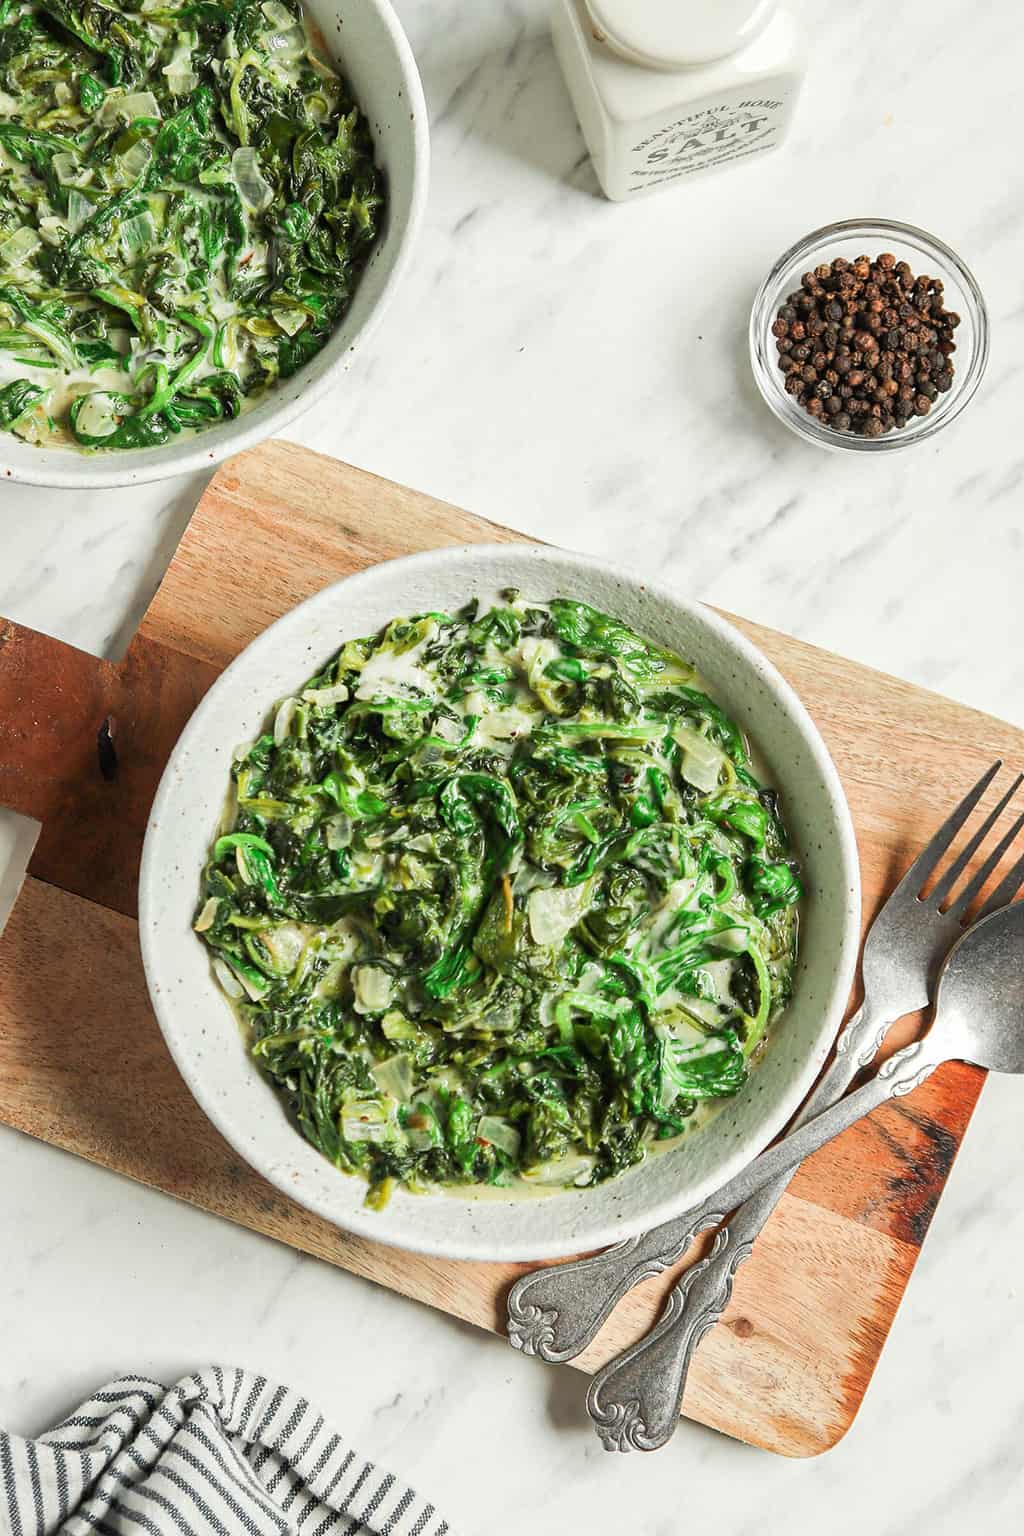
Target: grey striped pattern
<point>222,1453</point>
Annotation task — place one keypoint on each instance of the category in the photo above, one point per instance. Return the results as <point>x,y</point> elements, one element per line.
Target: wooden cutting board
<point>83,1064</point>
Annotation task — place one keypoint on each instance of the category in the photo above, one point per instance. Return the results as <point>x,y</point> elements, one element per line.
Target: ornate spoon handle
<point>555,1313</point>
<point>635,1399</point>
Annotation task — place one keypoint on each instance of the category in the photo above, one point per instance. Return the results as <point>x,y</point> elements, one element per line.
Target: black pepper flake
<point>883,344</point>
<point>106,752</point>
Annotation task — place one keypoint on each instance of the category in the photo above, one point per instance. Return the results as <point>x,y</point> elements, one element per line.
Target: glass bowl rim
<point>769,382</point>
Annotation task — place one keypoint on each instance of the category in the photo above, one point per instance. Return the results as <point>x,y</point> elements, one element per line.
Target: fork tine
<point>930,855</point>
<point>1004,892</point>
<point>949,880</point>
<point>963,901</point>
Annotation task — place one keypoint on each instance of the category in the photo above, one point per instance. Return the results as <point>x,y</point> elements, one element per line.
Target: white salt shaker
<point>665,89</point>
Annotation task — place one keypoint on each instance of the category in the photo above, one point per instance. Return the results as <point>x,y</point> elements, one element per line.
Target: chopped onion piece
<point>79,209</point>
<point>19,247</point>
<point>422,1130</point>
<point>499,1134</point>
<point>253,983</point>
<point>574,1169</point>
<point>339,832</point>
<point>65,168</point>
<point>253,188</point>
<point>702,760</point>
<point>554,911</point>
<point>283,720</point>
<point>51,228</point>
<point>278,15</point>
<point>501,725</point>
<point>227,978</point>
<point>178,70</point>
<point>373,988</point>
<point>449,730</point>
<point>291,321</point>
<point>138,104</point>
<point>284,944</point>
<point>98,414</point>
<point>395,1026</point>
<point>134,161</point>
<point>290,44</point>
<point>733,941</point>
<point>324,698</point>
<point>207,915</point>
<point>34,425</point>
<point>137,234</point>
<point>368,1120</point>
<point>395,1077</point>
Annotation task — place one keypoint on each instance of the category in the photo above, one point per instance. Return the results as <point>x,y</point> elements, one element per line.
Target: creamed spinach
<point>187,198</point>
<point>499,898</point>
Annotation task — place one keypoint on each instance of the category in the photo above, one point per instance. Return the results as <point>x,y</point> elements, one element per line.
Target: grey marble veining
<point>579,371</point>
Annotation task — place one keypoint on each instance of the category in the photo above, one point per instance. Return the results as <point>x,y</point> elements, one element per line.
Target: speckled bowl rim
<point>549,1240</point>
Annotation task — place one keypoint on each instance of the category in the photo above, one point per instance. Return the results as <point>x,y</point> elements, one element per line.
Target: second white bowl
<point>366,41</point>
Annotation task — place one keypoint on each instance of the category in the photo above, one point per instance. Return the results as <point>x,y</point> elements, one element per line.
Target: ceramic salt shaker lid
<point>673,34</point>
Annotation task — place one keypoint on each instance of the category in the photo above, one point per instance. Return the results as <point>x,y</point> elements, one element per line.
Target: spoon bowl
<point>979,1005</point>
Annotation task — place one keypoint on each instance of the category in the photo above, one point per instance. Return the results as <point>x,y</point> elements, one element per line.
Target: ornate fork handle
<point>555,1313</point>
<point>635,1400</point>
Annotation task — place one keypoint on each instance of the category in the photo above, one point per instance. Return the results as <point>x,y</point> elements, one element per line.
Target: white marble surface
<point>578,370</point>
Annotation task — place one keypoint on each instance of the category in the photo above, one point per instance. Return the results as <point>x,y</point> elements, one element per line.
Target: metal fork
<point>556,1312</point>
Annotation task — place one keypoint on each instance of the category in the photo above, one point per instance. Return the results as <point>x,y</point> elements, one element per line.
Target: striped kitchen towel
<point>222,1453</point>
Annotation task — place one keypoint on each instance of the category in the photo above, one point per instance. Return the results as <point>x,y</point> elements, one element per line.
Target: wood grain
<point>83,1064</point>
<point>93,801</point>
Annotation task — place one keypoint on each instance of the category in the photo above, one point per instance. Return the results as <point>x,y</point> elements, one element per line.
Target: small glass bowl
<point>870,237</point>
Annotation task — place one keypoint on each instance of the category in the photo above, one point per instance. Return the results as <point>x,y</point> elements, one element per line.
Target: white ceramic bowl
<point>200,1028</point>
<point>368,44</point>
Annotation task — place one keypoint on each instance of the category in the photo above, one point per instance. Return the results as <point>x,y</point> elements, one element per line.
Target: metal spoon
<point>979,1017</point>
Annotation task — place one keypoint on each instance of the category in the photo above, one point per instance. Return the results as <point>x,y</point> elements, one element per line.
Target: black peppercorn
<point>865,345</point>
